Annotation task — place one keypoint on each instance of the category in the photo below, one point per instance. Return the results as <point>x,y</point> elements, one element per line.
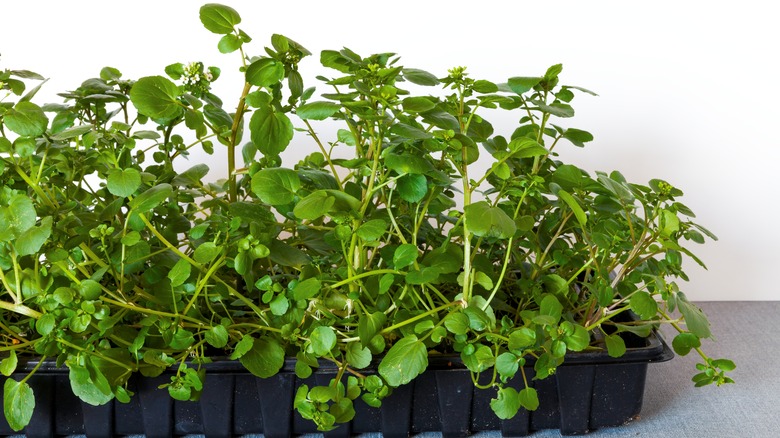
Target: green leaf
<point>306,289</point>
<point>85,387</point>
<point>206,252</point>
<point>271,131</point>
<point>180,272</point>
<point>579,340</point>
<point>507,365</point>
<point>265,358</point>
<point>369,326</point>
<point>191,176</point>
<point>412,187</point>
<point>17,218</point>
<point>582,218</point>
<point>407,164</point>
<point>156,97</point>
<point>529,399</point>
<point>616,346</point>
<point>506,404</point>
<point>73,132</point>
<point>457,323</point>
<point>26,119</point>
<point>550,306</point>
<point>418,104</point>
<point>557,109</point>
<point>405,360</point>
<point>521,338</point>
<point>669,223</point>
<point>480,360</point>
<point>217,336</point>
<point>524,147</point>
<point>242,347</point>
<point>123,182</point>
<point>404,255</point>
<point>577,137</point>
<point>265,72</point>
<point>424,276</point>
<point>31,240</point>
<point>317,110</point>
<point>45,324</point>
<point>314,206</point>
<point>486,221</point>
<point>229,43</point>
<point>218,18</point>
<point>683,343</point>
<point>8,365</point>
<point>276,186</point>
<point>695,319</point>
<point>643,304</point>
<point>151,198</point>
<point>419,77</point>
<point>90,289</point>
<point>279,305</point>
<point>521,85</point>
<point>18,404</point>
<point>358,356</point>
<point>323,339</point>
<point>372,230</point>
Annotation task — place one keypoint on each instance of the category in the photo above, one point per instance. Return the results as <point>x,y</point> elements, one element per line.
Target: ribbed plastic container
<point>591,390</point>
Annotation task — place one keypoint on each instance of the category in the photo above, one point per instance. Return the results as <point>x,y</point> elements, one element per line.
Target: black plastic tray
<point>591,390</point>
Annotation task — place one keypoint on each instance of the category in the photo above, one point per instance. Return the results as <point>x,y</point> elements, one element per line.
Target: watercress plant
<point>416,229</point>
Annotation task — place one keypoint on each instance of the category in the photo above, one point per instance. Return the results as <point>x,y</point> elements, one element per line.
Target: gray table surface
<point>745,333</point>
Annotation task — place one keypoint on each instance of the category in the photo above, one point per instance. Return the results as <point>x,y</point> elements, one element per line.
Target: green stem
<point>365,274</point>
<point>421,316</point>
<point>20,309</point>
<point>232,187</point>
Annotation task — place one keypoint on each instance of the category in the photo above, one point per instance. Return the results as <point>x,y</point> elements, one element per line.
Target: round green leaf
<point>276,186</point>
<point>484,220</point>
<point>314,206</point>
<point>521,338</point>
<point>90,289</point>
<point>457,323</point>
<point>229,43</point>
<point>205,253</point>
<point>643,304</point>
<point>507,365</point>
<point>271,131</point>
<point>151,198</point>
<point>218,18</point>
<point>317,110</point>
<point>217,336</point>
<point>529,399</point>
<point>123,182</point>
<point>506,404</point>
<point>616,346</point>
<point>418,104</point>
<point>156,97</point>
<point>412,187</point>
<point>404,361</point>
<point>683,343</point>
<point>372,230</point>
<point>358,356</point>
<point>323,339</point>
<point>265,358</point>
<point>26,119</point>
<point>265,72</point>
<point>405,255</point>
<point>18,404</point>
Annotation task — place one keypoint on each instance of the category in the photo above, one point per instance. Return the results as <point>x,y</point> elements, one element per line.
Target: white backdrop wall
<point>688,91</point>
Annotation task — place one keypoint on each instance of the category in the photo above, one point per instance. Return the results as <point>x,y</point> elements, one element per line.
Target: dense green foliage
<point>379,245</point>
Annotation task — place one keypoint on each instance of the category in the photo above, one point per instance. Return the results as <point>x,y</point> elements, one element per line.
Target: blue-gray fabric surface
<point>745,333</point>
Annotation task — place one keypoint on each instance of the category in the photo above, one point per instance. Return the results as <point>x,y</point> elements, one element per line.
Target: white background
<point>688,91</point>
